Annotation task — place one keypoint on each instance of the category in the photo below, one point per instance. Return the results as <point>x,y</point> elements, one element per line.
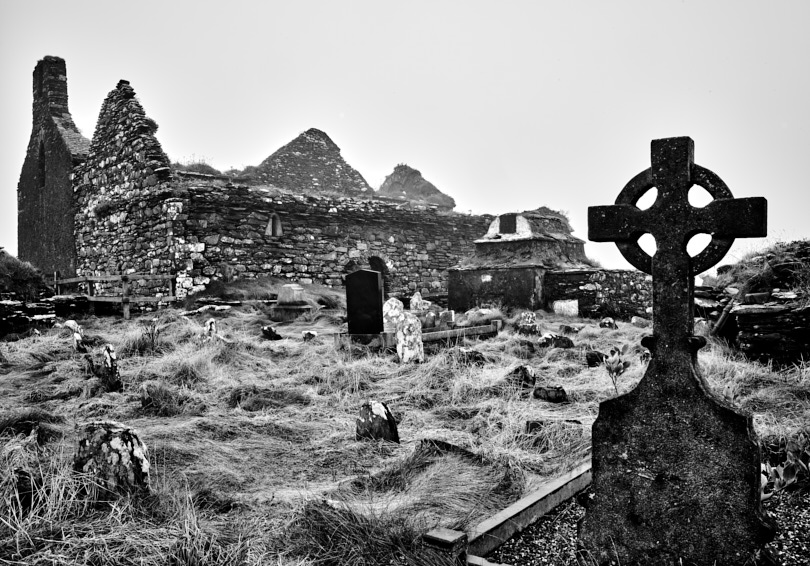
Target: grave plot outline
<point>675,468</point>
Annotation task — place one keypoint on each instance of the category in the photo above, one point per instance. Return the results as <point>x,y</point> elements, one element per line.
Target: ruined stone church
<point>114,205</point>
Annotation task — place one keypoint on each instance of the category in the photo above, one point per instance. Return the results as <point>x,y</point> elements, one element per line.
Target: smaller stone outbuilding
<point>530,259</point>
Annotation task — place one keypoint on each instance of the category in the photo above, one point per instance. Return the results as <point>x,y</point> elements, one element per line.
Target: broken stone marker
<point>641,322</point>
<point>111,379</point>
<point>114,455</point>
<point>409,339</point>
<point>522,377</point>
<point>551,340</point>
<point>593,358</point>
<point>608,322</point>
<point>270,333</point>
<point>376,423</point>
<point>364,301</point>
<point>551,394</point>
<point>676,470</point>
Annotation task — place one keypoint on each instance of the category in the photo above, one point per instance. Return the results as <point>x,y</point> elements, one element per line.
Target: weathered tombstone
<point>364,302</point>
<point>675,469</point>
<point>393,313</point>
<point>409,339</point>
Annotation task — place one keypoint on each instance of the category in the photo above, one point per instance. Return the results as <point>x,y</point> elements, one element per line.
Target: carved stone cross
<point>675,469</point>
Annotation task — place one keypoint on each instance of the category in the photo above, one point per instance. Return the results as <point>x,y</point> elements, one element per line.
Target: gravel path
<point>551,541</point>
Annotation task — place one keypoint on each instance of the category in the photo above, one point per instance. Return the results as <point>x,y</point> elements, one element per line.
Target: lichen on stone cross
<point>675,469</point>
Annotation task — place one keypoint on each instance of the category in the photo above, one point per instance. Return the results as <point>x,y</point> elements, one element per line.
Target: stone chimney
<point>50,86</point>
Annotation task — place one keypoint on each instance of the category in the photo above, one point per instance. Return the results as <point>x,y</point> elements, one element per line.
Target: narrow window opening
<point>274,226</point>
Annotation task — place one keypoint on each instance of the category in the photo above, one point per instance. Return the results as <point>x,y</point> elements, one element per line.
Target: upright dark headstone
<point>364,302</point>
<point>675,469</point>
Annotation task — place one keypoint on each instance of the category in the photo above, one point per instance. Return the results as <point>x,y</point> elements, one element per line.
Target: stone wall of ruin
<point>318,238</point>
<point>128,210</point>
<point>602,291</point>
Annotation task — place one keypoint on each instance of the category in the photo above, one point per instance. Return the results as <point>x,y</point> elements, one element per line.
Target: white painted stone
<point>566,308</point>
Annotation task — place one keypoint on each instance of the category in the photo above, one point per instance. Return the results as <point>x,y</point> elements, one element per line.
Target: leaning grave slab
<point>675,469</point>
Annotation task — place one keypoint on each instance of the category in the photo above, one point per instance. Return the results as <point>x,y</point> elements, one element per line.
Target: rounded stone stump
<point>114,454</point>
<point>376,423</point>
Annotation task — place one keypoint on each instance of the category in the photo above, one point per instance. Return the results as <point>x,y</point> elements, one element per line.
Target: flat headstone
<point>409,340</point>
<point>364,301</point>
<point>675,469</point>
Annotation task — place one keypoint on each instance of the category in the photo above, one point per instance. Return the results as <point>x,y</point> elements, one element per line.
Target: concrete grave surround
<point>364,302</point>
<point>675,469</point>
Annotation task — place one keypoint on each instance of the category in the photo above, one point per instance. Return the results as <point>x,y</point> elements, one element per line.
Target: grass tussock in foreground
<point>252,441</point>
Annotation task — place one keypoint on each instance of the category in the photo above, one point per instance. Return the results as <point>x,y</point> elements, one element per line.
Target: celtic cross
<point>671,462</point>
<point>672,221</point>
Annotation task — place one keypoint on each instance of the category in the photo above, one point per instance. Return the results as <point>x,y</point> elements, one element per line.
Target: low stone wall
<point>622,293</point>
<point>773,332</point>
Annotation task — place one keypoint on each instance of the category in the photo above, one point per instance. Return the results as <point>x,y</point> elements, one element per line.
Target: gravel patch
<point>552,540</point>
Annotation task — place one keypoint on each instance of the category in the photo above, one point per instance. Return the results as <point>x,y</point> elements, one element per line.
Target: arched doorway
<point>377,264</point>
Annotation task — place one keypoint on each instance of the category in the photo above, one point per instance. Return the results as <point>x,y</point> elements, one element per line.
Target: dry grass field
<point>252,442</point>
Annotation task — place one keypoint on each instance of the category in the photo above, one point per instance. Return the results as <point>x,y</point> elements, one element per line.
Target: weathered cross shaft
<point>675,470</point>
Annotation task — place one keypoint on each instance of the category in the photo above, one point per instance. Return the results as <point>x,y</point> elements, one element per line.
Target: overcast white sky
<point>505,106</point>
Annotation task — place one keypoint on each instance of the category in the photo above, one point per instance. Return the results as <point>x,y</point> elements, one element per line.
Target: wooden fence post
<point>125,296</point>
<point>91,291</point>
